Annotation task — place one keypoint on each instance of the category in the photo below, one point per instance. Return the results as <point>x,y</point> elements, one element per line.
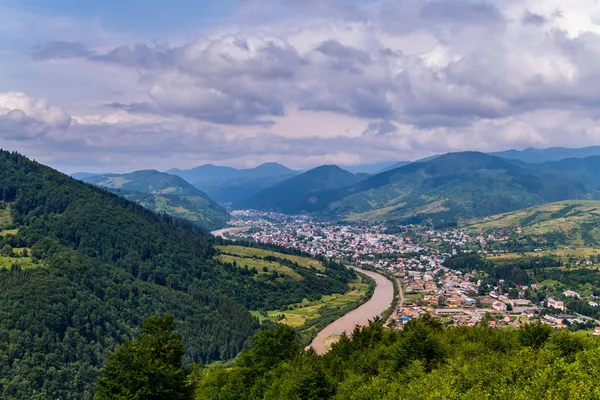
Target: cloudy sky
<point>119,85</point>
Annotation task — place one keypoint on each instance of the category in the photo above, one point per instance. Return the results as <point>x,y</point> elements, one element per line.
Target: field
<point>309,311</point>
<point>564,254</point>
<point>250,252</point>
<point>560,216</point>
<point>23,262</point>
<point>259,264</point>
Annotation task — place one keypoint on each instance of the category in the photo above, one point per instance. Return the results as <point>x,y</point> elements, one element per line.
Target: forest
<point>99,265</point>
<point>426,360</point>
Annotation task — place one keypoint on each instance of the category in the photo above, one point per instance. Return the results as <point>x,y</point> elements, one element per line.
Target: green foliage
<point>534,335</point>
<point>165,193</point>
<point>105,264</point>
<point>149,367</point>
<point>424,361</point>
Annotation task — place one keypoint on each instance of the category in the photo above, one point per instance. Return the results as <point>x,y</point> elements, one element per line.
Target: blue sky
<point>125,85</point>
<point>152,17</point>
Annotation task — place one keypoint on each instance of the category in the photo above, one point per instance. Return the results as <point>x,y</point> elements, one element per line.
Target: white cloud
<point>23,118</point>
<point>382,81</point>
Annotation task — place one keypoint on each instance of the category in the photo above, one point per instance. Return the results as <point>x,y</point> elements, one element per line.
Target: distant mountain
<point>83,175</point>
<point>301,193</point>
<point>450,187</point>
<point>227,185</point>
<point>534,155</point>
<point>585,170</point>
<point>394,166</point>
<point>235,190</point>
<point>401,164</point>
<point>367,168</point>
<point>165,193</point>
<point>212,173</point>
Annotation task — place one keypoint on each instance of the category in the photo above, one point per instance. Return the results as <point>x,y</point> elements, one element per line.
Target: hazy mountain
<point>446,188</point>
<point>300,193</point>
<point>235,190</point>
<point>456,186</point>
<point>213,173</point>
<point>165,193</point>
<point>534,155</point>
<point>585,170</point>
<point>227,185</point>
<point>367,168</point>
<point>83,175</point>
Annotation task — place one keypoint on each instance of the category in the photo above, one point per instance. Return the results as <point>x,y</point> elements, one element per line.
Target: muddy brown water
<point>380,301</point>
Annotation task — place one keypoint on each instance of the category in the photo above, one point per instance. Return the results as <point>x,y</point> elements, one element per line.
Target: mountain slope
<point>585,170</point>
<point>534,155</point>
<point>227,185</point>
<point>452,186</point>
<point>165,193</point>
<point>572,222</point>
<point>212,173</point>
<point>96,265</point>
<point>301,193</point>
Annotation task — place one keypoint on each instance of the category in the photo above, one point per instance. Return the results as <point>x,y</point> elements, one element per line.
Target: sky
<point>122,85</point>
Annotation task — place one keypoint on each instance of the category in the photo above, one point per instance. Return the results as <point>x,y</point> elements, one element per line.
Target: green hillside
<point>574,223</point>
<point>453,187</point>
<point>165,193</point>
<point>100,266</point>
<point>304,192</point>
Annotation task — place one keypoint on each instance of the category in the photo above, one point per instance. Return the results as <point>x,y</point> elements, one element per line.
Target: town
<point>416,259</point>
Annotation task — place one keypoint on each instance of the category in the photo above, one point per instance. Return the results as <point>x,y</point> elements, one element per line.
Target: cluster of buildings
<point>428,286</point>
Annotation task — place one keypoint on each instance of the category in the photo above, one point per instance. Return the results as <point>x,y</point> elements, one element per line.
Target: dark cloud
<point>58,49</point>
<point>461,11</point>
<point>380,128</point>
<point>139,56</point>
<point>530,18</point>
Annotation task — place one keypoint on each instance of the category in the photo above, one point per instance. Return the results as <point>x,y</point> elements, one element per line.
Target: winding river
<point>380,301</point>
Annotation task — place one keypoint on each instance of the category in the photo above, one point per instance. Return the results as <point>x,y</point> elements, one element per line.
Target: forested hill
<point>448,188</point>
<point>89,266</point>
<point>165,193</point>
<point>302,192</point>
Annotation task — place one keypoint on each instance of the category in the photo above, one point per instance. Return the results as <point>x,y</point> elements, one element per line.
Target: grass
<point>8,232</point>
<point>250,252</point>
<point>23,262</point>
<point>562,216</point>
<point>307,311</point>
<point>412,297</point>
<point>564,254</point>
<point>259,265</point>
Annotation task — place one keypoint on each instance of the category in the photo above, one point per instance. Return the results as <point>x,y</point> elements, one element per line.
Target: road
<point>378,303</point>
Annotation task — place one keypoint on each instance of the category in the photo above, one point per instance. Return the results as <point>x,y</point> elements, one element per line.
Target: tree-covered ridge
<point>446,189</point>
<point>165,193</point>
<point>102,265</point>
<point>426,360</point>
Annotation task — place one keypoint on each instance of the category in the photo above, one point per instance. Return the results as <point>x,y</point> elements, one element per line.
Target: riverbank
<point>381,300</point>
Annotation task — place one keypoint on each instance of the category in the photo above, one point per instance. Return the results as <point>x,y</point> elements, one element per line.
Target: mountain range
<point>439,188</point>
<point>450,187</point>
<point>301,192</point>
<point>165,193</point>
<point>227,185</point>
